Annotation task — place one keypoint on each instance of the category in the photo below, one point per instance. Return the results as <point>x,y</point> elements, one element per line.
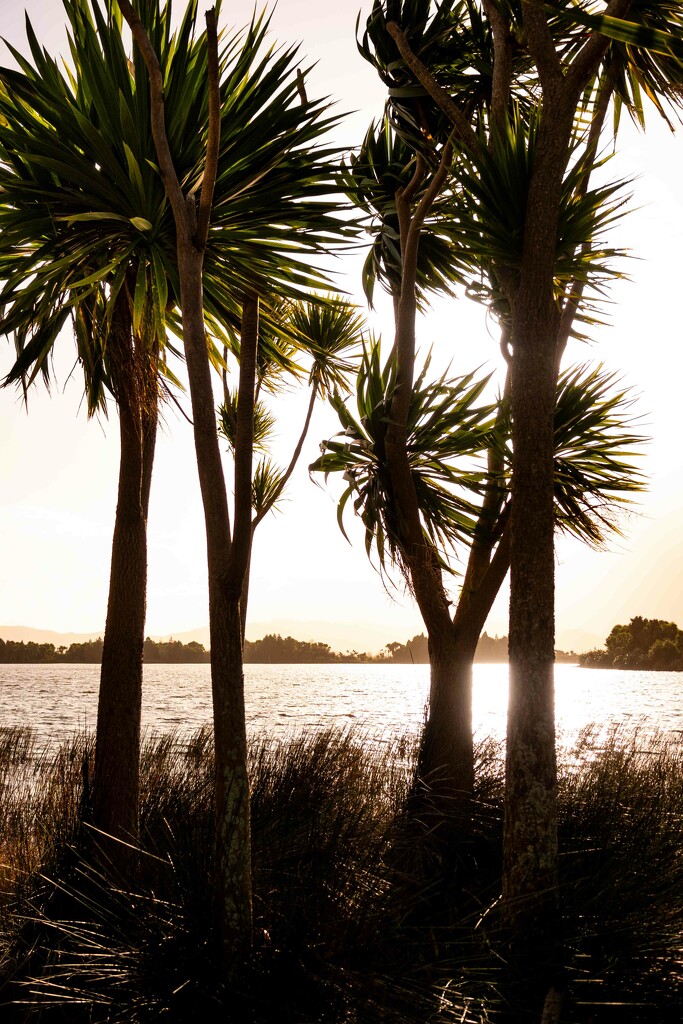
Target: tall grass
<point>621,829</point>
<point>365,911</point>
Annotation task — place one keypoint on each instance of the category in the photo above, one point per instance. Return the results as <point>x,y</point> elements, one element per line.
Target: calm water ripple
<point>57,700</point>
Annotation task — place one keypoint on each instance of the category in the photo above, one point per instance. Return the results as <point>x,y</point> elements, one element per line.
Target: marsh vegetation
<point>363,912</point>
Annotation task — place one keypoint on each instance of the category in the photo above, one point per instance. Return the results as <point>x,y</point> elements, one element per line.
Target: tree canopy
<point>646,644</point>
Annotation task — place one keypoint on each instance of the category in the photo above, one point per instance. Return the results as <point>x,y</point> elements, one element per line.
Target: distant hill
<point>27,634</point>
<point>364,636</point>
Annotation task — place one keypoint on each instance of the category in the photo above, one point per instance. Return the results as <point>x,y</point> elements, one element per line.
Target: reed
<point>621,828</point>
<point>364,912</point>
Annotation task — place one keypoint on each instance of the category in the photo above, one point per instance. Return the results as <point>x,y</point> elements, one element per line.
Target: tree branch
<point>591,53</point>
<point>502,65</point>
<point>480,602</point>
<point>410,248</point>
<point>244,443</point>
<point>606,88</point>
<point>404,197</point>
<point>462,127</point>
<point>294,459</point>
<point>540,42</point>
<point>156,88</point>
<point>573,301</point>
<point>214,133</point>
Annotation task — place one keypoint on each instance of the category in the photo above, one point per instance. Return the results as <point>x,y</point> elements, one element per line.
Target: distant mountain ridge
<point>29,634</point>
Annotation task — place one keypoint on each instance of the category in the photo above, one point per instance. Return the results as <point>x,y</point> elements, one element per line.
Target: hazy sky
<point>58,470</point>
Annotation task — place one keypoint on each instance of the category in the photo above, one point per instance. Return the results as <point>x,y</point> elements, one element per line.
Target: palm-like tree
<point>88,234</point>
<point>541,63</point>
<point>472,219</point>
<point>449,426</point>
<point>85,238</point>
<point>271,162</point>
<point>464,506</point>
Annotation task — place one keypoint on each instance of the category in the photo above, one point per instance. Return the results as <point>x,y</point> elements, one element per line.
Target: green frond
<point>266,487</point>
<point>489,211</point>
<point>597,449</point>
<point>383,165</point>
<point>596,453</point>
<point>330,332</point>
<point>264,423</point>
<point>82,204</point>
<point>647,53</point>
<point>448,429</point>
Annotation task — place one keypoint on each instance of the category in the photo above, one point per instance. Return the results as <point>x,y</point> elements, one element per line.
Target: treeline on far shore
<point>18,652</point>
<point>271,649</point>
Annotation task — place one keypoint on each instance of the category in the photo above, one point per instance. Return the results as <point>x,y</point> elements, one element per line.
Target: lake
<point>57,700</point>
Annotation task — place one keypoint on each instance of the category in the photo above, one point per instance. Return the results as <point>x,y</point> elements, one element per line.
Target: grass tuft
<point>363,914</point>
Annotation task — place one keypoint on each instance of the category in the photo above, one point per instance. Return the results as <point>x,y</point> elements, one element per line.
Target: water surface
<point>57,700</point>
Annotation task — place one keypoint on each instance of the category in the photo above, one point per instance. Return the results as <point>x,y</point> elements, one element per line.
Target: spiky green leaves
<point>320,337</point>
<point>383,166</point>
<point>82,205</point>
<point>449,434</point>
<point>596,452</point>
<point>448,427</point>
<point>329,331</point>
<point>645,57</point>
<point>83,212</point>
<point>489,213</point>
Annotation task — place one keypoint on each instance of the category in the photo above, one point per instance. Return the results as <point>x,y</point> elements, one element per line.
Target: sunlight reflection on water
<point>57,700</point>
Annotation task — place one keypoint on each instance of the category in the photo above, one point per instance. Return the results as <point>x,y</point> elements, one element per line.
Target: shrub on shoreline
<point>651,645</point>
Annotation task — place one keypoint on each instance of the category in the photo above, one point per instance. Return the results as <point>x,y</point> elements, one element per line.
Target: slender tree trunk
<point>530,856</point>
<point>530,851</point>
<point>150,420</point>
<point>530,880</point>
<point>232,882</point>
<point>244,599</point>
<point>117,751</point>
<point>226,555</point>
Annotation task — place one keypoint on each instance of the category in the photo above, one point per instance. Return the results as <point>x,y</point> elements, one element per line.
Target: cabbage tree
<point>260,152</point>
<point>524,87</point>
<point>85,237</point>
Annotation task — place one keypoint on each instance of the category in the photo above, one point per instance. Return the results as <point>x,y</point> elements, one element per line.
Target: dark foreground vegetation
<point>365,910</point>
<point>643,644</point>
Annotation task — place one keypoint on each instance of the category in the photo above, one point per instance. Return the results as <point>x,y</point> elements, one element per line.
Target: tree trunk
<point>117,750</point>
<point>232,892</point>
<point>447,747</point>
<point>530,854</point>
<point>446,757</point>
<point>232,888</point>
<point>232,881</point>
<point>530,857</point>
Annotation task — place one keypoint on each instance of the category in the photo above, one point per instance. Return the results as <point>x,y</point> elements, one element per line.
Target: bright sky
<point>58,470</point>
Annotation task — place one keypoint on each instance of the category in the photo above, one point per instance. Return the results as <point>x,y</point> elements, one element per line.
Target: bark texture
<point>446,756</point>
<point>530,853</point>
<point>232,882</point>
<point>225,559</point>
<point>117,751</point>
